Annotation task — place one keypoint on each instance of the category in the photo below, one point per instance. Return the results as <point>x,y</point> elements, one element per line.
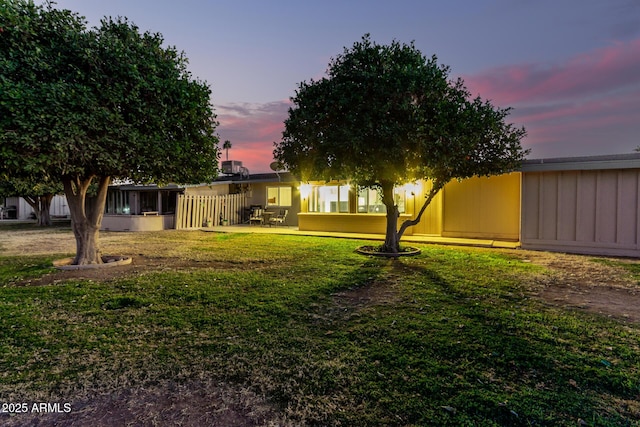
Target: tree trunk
<point>44,219</point>
<point>393,235</point>
<point>41,206</point>
<point>391,240</point>
<point>86,221</point>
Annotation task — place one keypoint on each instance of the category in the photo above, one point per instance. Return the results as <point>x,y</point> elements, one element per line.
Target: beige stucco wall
<point>347,223</point>
<point>589,211</point>
<point>137,222</point>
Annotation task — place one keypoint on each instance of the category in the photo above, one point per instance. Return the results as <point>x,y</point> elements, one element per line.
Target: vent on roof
<point>231,167</point>
<point>234,167</point>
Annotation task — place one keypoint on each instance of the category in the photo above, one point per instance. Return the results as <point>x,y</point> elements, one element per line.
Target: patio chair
<point>280,218</point>
<point>256,216</point>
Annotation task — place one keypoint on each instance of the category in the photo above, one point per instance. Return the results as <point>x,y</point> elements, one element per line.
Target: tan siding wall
<point>567,208</point>
<point>582,211</point>
<point>431,222</point>
<point>487,207</point>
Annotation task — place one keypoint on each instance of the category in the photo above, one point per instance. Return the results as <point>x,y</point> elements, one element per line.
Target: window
<point>169,201</point>
<point>370,200</point>
<point>329,198</point>
<point>400,197</point>
<point>148,201</point>
<point>278,196</point>
<point>117,202</point>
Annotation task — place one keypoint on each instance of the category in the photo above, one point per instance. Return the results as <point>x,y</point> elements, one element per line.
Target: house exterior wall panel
<point>626,232</point>
<point>586,206</point>
<point>588,211</point>
<point>567,206</point>
<point>607,206</point>
<point>549,205</point>
<point>347,223</point>
<point>431,221</point>
<point>486,207</point>
<point>530,205</point>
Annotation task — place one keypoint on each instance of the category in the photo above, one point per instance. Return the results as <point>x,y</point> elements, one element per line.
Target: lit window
<point>278,196</point>
<point>400,198</point>
<point>370,200</point>
<point>329,198</point>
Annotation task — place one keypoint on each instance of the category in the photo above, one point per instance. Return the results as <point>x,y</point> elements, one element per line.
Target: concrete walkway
<point>416,238</point>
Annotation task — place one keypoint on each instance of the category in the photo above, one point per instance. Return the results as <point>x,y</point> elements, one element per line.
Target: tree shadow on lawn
<point>503,356</point>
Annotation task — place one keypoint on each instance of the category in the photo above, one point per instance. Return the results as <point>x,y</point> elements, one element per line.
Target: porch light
<point>305,190</point>
<point>413,187</point>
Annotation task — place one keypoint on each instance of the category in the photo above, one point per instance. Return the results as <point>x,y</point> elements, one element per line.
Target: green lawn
<point>327,336</point>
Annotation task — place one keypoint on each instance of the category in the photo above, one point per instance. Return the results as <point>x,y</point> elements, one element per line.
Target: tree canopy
<point>91,105</point>
<point>386,115</point>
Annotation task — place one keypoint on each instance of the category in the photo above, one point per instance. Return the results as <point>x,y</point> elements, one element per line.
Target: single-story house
<point>581,204</point>
<point>229,200</point>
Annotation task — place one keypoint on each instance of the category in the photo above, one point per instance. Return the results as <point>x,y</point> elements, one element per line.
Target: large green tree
<point>91,105</point>
<point>385,115</point>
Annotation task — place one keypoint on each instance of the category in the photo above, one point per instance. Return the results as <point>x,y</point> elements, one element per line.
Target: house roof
<point>258,177</point>
<point>146,187</point>
<point>611,161</point>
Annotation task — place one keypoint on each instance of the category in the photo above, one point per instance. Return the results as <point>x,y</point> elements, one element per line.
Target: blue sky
<point>569,68</point>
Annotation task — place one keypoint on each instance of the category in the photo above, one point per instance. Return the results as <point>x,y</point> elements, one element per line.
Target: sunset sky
<point>569,68</point>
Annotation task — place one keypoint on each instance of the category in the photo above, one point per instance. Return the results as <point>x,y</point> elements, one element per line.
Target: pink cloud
<point>589,104</point>
<point>597,72</point>
<point>252,130</point>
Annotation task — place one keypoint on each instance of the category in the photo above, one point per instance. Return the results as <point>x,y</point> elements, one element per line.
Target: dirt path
<point>578,282</point>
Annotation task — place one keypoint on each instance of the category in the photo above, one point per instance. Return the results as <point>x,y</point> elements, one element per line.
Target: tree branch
<point>32,201</point>
<point>437,186</point>
<point>98,209</point>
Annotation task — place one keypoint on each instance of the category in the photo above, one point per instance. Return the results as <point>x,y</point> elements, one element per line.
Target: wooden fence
<point>198,211</point>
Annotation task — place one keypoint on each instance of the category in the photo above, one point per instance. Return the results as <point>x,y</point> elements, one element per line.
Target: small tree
<point>38,194</point>
<point>85,106</point>
<point>385,116</point>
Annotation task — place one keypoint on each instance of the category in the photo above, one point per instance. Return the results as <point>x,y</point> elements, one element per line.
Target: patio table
<point>266,216</point>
